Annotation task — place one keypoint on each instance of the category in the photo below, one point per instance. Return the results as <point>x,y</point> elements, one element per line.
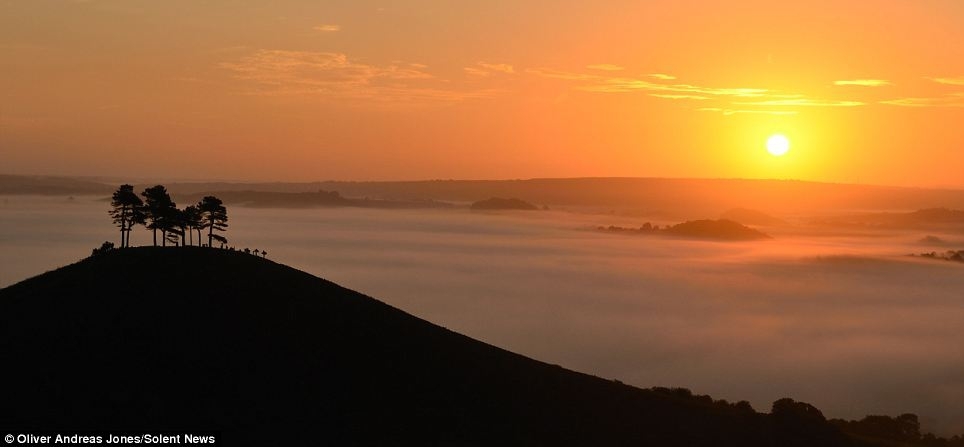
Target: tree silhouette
<point>126,211</point>
<point>192,221</point>
<point>214,217</point>
<point>158,208</point>
<point>223,240</point>
<point>176,227</point>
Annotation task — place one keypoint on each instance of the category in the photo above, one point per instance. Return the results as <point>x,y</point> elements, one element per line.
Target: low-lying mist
<point>846,322</point>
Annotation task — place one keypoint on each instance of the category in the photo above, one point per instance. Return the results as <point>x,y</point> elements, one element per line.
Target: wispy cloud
<point>618,85</point>
<point>327,28</point>
<point>959,80</point>
<point>804,102</point>
<point>335,75</point>
<point>728,112</point>
<point>611,84</point>
<point>485,69</point>
<point>564,75</point>
<point>605,67</point>
<point>864,82</point>
<point>677,96</point>
<point>952,100</point>
<point>725,100</point>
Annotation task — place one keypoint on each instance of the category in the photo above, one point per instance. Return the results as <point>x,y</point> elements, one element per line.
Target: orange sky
<point>867,91</point>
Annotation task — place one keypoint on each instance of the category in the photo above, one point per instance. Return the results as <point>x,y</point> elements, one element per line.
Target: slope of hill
<point>50,185</point>
<point>747,216</point>
<point>669,195</point>
<point>715,229</point>
<point>317,199</point>
<point>206,339</point>
<point>498,203</point>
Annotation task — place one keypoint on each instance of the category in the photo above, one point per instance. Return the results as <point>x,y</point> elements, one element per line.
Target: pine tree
<point>214,217</point>
<point>126,211</point>
<point>158,212</point>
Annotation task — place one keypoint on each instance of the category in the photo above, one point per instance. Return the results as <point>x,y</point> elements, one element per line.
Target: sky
<point>302,90</point>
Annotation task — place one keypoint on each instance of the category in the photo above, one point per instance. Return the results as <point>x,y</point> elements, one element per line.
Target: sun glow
<point>778,145</point>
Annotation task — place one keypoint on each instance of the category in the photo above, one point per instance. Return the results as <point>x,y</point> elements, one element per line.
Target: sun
<point>777,145</point>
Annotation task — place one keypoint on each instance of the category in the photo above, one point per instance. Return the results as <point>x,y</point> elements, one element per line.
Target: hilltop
<point>498,203</point>
<point>161,338</point>
<point>722,229</point>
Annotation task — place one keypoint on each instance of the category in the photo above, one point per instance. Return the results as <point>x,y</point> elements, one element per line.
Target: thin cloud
<point>949,81</point>
<point>620,85</point>
<point>327,28</point>
<point>760,100</point>
<point>608,84</point>
<point>504,68</point>
<point>729,112</point>
<point>804,102</point>
<point>662,76</point>
<point>486,69</point>
<point>864,82</point>
<point>605,67</point>
<point>335,75</point>
<point>564,75</point>
<point>677,96</point>
<point>953,100</point>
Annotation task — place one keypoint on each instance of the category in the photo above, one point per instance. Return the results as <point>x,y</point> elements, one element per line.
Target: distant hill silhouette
<point>50,185</point>
<point>196,338</point>
<point>498,203</point>
<point>747,216</point>
<point>923,218</point>
<point>664,196</point>
<point>715,229</point>
<point>930,239</point>
<point>696,229</point>
<point>679,197</point>
<point>320,198</point>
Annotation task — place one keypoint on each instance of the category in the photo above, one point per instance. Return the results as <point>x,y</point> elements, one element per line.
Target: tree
<point>214,217</point>
<point>176,227</point>
<point>221,239</point>
<point>126,211</point>
<point>192,221</point>
<point>104,248</point>
<point>158,208</point>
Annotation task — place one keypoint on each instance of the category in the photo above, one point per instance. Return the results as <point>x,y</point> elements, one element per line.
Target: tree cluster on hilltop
<point>158,213</point>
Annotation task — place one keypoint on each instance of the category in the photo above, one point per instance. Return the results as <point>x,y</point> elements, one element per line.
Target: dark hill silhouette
<point>748,216</point>
<point>498,203</point>
<point>715,229</point>
<point>196,338</point>
<point>923,218</point>
<point>678,196</point>
<point>724,230</point>
<point>316,199</point>
<point>50,185</point>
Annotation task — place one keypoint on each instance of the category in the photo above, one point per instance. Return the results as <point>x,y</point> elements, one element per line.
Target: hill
<point>722,229</point>
<point>317,199</point>
<point>674,197</point>
<point>919,219</point>
<point>50,185</point>
<point>715,229</point>
<point>498,203</point>
<point>196,338</point>
<point>747,216</point>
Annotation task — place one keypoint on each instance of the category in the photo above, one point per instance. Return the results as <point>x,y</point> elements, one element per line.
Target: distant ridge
<point>498,203</point>
<point>162,338</point>
<point>676,197</point>
<point>672,196</point>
